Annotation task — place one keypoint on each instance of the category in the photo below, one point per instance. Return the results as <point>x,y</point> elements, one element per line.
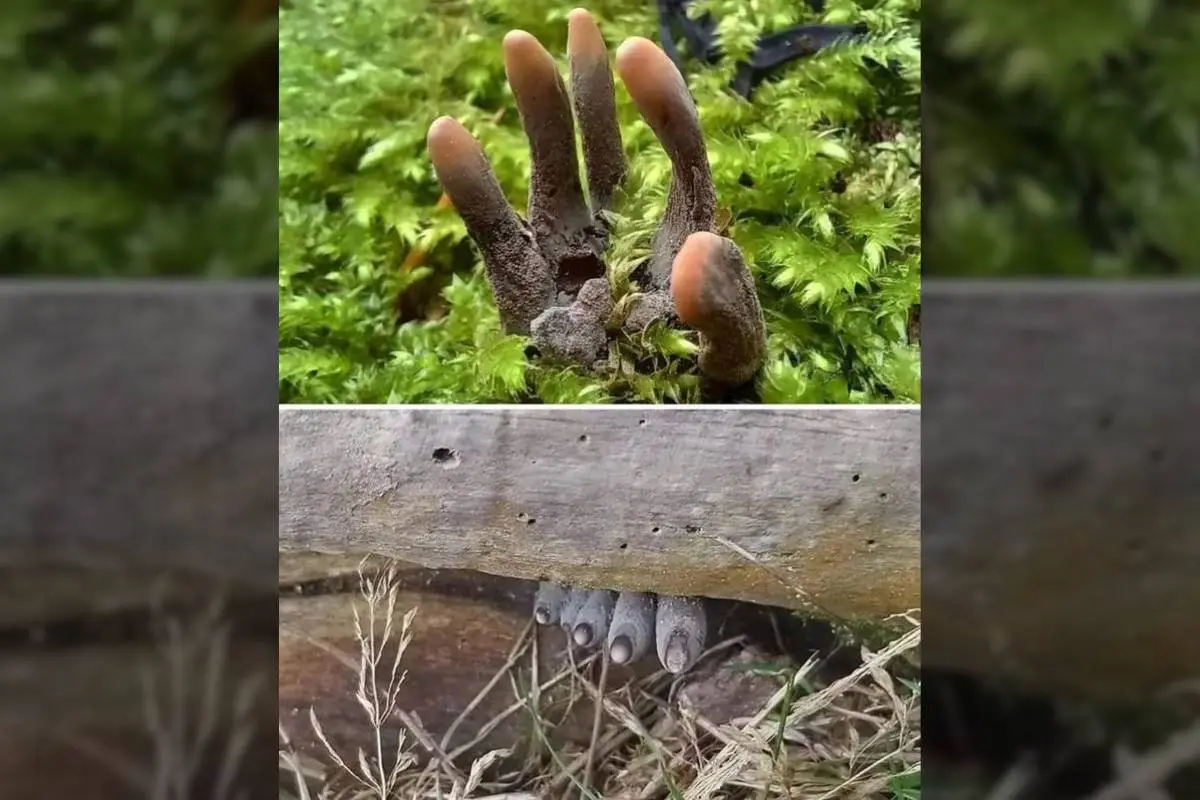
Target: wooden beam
<point>138,422</point>
<point>139,431</point>
<point>1061,496</point>
<point>826,501</point>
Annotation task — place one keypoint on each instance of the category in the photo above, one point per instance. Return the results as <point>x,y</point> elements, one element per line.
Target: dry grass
<point>854,736</point>
<point>819,737</point>
<point>192,710</point>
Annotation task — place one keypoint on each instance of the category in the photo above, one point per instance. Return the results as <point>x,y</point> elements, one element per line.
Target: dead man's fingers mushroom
<point>520,278</point>
<point>548,603</point>
<point>595,108</point>
<point>710,286</point>
<point>558,213</point>
<point>632,628</point>
<point>714,293</point>
<point>680,629</point>
<point>591,624</point>
<point>628,623</point>
<point>545,262</point>
<point>569,611</point>
<point>548,274</point>
<point>661,96</point>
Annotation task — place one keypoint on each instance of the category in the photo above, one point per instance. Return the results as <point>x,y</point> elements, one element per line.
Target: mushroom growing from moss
<point>547,272</point>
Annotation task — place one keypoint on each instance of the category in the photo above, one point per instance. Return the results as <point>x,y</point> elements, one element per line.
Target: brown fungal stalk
<point>548,274</point>
<point>573,601</point>
<point>712,289</point>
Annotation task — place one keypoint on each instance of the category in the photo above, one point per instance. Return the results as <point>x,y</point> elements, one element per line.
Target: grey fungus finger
<point>591,624</point>
<point>662,98</point>
<point>548,603</point>
<point>520,278</point>
<point>681,627</point>
<point>594,98</point>
<point>713,291</point>
<point>572,604</point>
<point>558,213</point>
<point>632,627</point>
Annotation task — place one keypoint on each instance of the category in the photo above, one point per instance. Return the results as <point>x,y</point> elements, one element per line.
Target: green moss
<point>1064,140</point>
<point>826,210</point>
<point>118,155</point>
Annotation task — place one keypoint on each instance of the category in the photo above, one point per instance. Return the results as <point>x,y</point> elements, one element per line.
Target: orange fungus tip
<point>648,73</point>
<point>688,274</point>
<point>522,50</point>
<point>449,142</point>
<point>583,35</point>
<point>631,55</point>
<point>517,39</point>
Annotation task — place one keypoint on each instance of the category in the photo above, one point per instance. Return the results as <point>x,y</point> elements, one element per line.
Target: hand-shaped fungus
<point>548,274</point>
<point>627,623</point>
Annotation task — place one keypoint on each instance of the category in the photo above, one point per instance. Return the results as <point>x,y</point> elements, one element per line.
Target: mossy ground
<point>382,299</point>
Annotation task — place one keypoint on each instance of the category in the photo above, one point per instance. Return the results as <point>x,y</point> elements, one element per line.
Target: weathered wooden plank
<point>827,500</point>
<point>1060,496</point>
<point>138,427</point>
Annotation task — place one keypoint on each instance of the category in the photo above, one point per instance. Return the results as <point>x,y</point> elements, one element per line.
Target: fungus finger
<point>572,604</point>
<point>562,224</point>
<point>594,98</point>
<point>591,624</point>
<point>681,627</point>
<point>662,98</point>
<point>632,627</point>
<point>548,603</point>
<point>714,292</point>
<point>520,278</point>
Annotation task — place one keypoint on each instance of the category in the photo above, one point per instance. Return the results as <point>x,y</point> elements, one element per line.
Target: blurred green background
<point>1062,139</point>
<point>138,139</point>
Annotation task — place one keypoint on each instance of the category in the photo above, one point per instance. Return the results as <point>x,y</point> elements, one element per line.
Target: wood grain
<point>826,500</point>
<point>141,433</point>
<point>138,423</point>
<point>1061,496</point>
